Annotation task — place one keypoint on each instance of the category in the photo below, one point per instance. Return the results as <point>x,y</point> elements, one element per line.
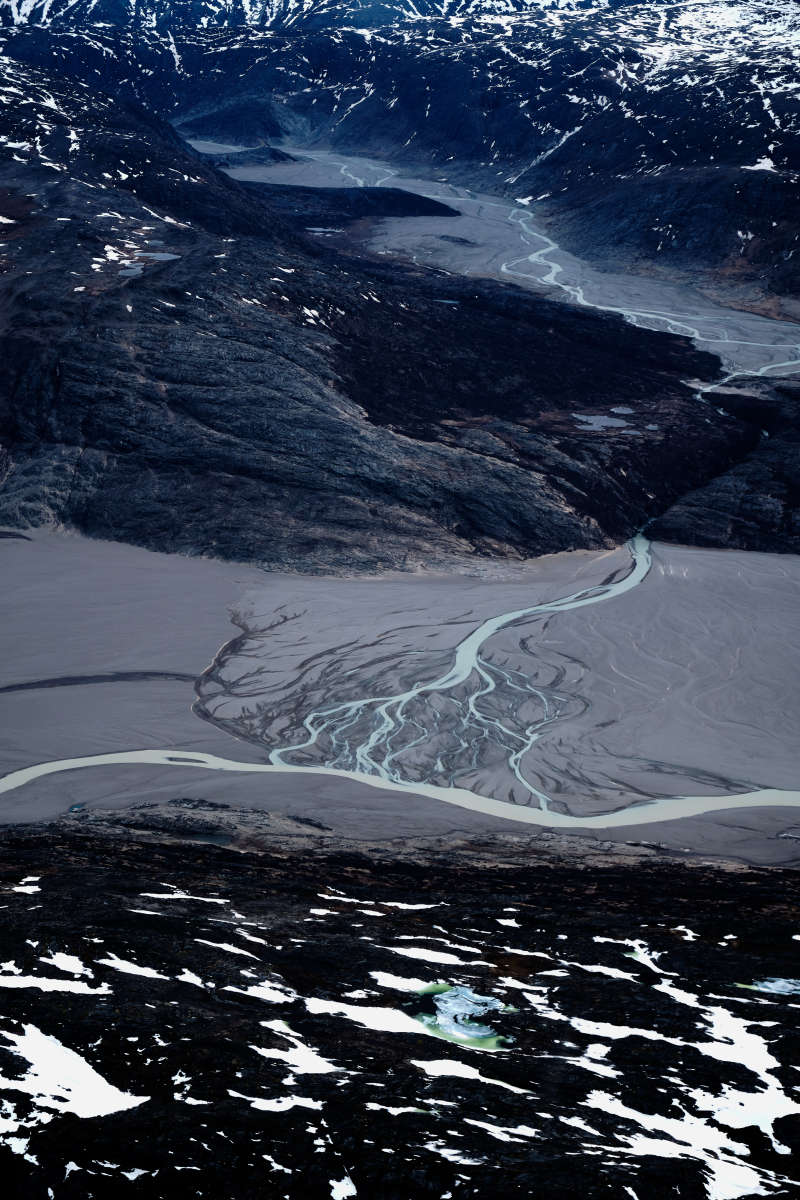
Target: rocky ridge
<point>246,391</point>
<point>692,106</point>
<point>274,1026</point>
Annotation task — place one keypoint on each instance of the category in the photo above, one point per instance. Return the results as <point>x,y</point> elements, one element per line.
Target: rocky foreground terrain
<point>184,1020</point>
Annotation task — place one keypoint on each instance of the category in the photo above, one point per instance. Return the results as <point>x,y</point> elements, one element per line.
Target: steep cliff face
<point>755,504</point>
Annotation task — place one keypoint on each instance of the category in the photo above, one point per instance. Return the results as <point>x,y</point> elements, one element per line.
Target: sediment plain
<point>681,685</point>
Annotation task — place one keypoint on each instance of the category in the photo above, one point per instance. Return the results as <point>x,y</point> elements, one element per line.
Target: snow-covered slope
<point>654,132</point>
<point>205,13</point>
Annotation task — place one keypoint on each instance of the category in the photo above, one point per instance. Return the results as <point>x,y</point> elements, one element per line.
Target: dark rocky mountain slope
<point>185,372</point>
<point>187,369</point>
<point>656,134</point>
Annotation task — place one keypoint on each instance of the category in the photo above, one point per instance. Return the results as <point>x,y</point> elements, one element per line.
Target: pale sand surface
<point>74,606</point>
<point>71,604</point>
<point>687,684</point>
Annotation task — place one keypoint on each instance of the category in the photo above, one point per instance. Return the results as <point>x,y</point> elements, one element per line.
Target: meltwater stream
<point>371,753</point>
<point>370,734</point>
<point>502,239</point>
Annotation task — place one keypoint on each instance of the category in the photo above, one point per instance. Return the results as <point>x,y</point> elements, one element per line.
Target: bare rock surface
<point>181,1020</point>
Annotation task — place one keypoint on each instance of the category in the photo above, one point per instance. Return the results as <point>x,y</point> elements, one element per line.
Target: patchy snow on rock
<point>269,990</point>
<point>129,968</point>
<point>439,1067</point>
<point>77,986</point>
<point>227,947</point>
<point>60,1080</point>
<point>425,955</point>
<point>66,962</point>
<point>300,1058</point>
<point>763,164</point>
<point>187,976</point>
<point>399,982</point>
<point>28,886</point>
<point>280,1104</point>
<point>176,893</point>
<point>342,1189</point>
<point>504,1133</point>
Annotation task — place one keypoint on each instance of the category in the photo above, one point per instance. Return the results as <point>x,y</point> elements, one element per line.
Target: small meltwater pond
<point>778,987</point>
<point>455,1017</point>
<point>134,266</point>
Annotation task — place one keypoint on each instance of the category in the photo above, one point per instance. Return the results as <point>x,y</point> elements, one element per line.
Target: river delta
<point>607,695</point>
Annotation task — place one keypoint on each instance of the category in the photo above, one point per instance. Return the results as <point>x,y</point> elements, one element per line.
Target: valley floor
<point>492,237</point>
<point>683,685</point>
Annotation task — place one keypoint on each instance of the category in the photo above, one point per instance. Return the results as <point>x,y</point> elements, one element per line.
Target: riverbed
<point>493,237</point>
<point>647,692</point>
